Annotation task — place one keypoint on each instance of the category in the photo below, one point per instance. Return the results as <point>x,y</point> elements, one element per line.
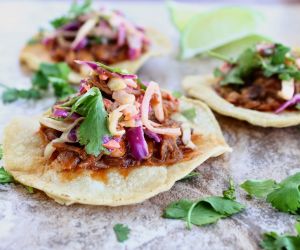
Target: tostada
<point>118,141</point>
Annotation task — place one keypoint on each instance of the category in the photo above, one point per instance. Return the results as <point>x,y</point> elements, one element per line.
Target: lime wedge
<point>212,29</point>
<point>235,48</point>
<point>181,14</point>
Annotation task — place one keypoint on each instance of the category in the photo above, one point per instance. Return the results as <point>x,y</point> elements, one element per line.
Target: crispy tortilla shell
<point>202,88</point>
<point>23,158</point>
<point>32,55</point>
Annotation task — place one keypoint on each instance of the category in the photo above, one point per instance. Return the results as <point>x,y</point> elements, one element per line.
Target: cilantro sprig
<point>284,196</point>
<point>74,11</point>
<point>48,75</point>
<point>230,192</point>
<point>122,232</point>
<point>204,211</point>
<point>278,63</point>
<point>274,241</point>
<point>94,127</point>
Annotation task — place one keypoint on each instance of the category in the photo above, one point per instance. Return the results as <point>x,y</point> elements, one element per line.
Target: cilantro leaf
<point>122,232</point>
<point>202,212</point>
<point>259,188</point>
<point>60,21</point>
<point>94,127</point>
<point>233,77</point>
<point>279,55</point>
<point>54,75</point>
<point>178,209</point>
<point>1,151</point>
<point>74,11</point>
<point>243,67</point>
<point>190,175</point>
<point>273,241</point>
<point>284,196</point>
<point>277,63</point>
<point>13,94</point>
<point>189,114</point>
<point>230,192</point>
<point>5,177</point>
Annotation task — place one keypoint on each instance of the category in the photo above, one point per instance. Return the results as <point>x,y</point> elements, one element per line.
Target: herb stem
<point>189,215</point>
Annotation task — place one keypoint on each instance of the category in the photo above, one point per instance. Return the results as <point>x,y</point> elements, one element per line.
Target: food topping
<point>116,120</point>
<point>94,35</point>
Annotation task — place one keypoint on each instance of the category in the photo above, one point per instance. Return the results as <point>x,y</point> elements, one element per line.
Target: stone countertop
<point>33,221</point>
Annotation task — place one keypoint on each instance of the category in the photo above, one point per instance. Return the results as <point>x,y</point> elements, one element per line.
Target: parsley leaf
<point>190,175</point>
<point>5,177</point>
<point>202,212</point>
<point>284,196</point>
<point>74,11</point>
<point>122,232</point>
<point>273,241</point>
<point>94,127</point>
<point>230,192</point>
<point>259,188</point>
<point>189,114</point>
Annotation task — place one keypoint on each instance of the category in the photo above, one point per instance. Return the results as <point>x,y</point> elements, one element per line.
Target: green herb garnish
<point>74,11</point>
<point>251,60</point>
<point>273,241</point>
<point>5,177</point>
<point>94,127</point>
<point>202,212</point>
<point>230,192</point>
<point>284,196</point>
<point>259,188</point>
<point>54,75</point>
<point>122,232</point>
<point>189,114</point>
<point>190,175</point>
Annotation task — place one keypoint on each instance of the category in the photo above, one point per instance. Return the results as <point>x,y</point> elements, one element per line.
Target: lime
<point>181,14</point>
<point>212,29</point>
<point>235,48</point>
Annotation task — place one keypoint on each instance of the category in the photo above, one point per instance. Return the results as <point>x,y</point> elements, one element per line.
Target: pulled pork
<point>108,54</point>
<point>259,93</point>
<point>167,152</point>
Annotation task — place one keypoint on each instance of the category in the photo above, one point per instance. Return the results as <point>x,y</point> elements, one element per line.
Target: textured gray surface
<point>36,222</point>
